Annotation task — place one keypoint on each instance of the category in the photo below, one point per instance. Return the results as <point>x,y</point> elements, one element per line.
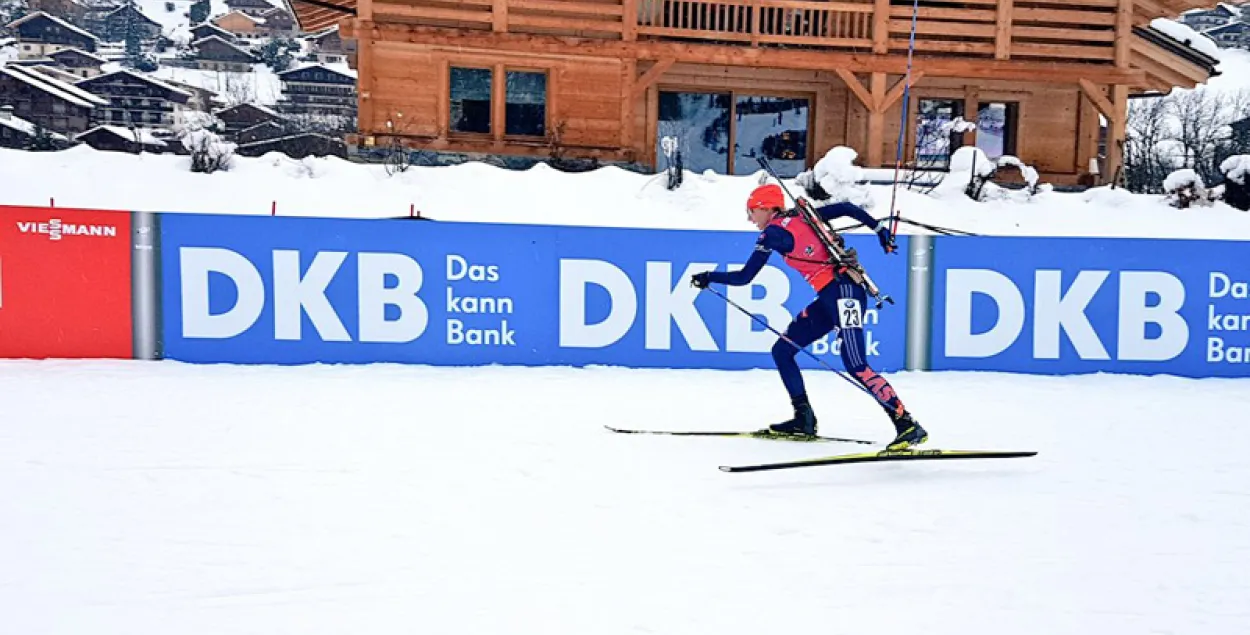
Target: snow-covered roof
<point>141,14</point>
<point>56,73</point>
<point>240,13</point>
<point>141,77</point>
<point>1234,26</point>
<point>54,87</point>
<point>265,109</point>
<point>344,71</point>
<point>62,23</point>
<point>145,134</point>
<point>78,51</point>
<point>1187,36</point>
<point>320,34</point>
<point>25,127</point>
<point>225,43</point>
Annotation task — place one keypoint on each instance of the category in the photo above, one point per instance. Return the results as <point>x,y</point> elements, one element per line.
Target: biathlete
<point>839,304</point>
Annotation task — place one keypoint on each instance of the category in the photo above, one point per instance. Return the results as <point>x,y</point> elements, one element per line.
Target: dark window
<point>525,111</point>
<point>698,123</point>
<point>996,128</point>
<point>774,128</point>
<point>470,100</point>
<point>936,139</point>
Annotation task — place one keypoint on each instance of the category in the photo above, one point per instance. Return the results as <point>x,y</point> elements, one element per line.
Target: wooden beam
<point>1096,97</point>
<point>648,78</point>
<point>876,121</point>
<point>896,92</point>
<point>1124,33</point>
<point>881,27</point>
<point>491,43</point>
<point>364,82</point>
<point>1002,30</point>
<point>972,100</point>
<point>629,20</point>
<point>1117,127</point>
<point>499,16</point>
<point>856,87</point>
<point>629,95</point>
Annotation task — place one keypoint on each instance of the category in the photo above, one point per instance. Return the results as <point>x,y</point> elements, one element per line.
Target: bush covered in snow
<point>836,179</point>
<point>1236,171</point>
<point>971,171</point>
<point>1185,188</point>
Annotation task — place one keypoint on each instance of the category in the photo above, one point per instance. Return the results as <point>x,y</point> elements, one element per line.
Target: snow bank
<point>1236,168</point>
<point>1187,36</point>
<point>839,177</point>
<point>476,192</point>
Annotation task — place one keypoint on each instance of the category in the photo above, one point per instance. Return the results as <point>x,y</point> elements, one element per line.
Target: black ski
<point>885,455</point>
<point>754,434</point>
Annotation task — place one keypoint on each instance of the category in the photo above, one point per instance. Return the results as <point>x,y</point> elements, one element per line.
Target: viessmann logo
<point>55,229</point>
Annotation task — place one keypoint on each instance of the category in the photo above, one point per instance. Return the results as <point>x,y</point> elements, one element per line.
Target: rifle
<point>832,242</point>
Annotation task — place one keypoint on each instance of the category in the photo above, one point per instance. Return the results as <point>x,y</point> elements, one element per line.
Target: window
<point>525,109</point>
<point>706,124</point>
<point>774,128</point>
<point>996,128</point>
<point>935,139</point>
<point>470,99</point>
<point>700,124</point>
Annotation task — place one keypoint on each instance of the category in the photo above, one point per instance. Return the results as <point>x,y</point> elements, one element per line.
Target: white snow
<point>1187,36</point>
<point>25,127</point>
<point>145,498</point>
<point>261,85</point>
<point>1178,179</point>
<point>838,175</point>
<point>1027,171</point>
<point>1236,168</point>
<point>85,178</point>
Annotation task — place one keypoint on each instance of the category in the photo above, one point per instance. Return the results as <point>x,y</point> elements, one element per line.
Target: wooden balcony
<point>1059,30</point>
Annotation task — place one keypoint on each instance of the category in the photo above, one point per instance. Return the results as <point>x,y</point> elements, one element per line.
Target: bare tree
<point>1145,165</point>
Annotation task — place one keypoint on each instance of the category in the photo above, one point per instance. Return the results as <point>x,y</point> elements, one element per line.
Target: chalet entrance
<point>724,131</point>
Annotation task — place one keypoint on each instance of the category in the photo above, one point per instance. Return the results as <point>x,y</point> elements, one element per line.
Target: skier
<point>839,303</point>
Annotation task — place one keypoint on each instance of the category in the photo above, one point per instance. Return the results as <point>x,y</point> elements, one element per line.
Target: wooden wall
<point>603,116</point>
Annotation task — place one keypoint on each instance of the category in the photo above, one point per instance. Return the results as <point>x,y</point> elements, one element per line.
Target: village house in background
<point>216,54</point>
<point>316,89</point>
<point>19,134</point>
<point>115,24</point>
<point>115,138</point>
<point>134,98</point>
<point>209,29</point>
<point>1226,24</point>
<point>40,34</point>
<point>241,25</point>
<point>254,8</point>
<point>80,63</point>
<point>327,46</point>
<point>609,81</point>
<point>48,102</point>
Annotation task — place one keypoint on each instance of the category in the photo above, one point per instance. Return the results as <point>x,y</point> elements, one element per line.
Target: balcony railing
<point>1056,29</point>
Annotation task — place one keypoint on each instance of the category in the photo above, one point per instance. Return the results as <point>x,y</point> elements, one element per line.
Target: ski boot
<point>909,432</point>
<point>803,423</point>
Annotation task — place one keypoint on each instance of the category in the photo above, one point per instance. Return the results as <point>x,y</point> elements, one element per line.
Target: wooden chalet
<point>117,22</point>
<point>48,102</point>
<point>40,34</point>
<point>216,54</point>
<point>731,79</point>
<point>138,99</point>
<point>208,29</point>
<point>80,63</point>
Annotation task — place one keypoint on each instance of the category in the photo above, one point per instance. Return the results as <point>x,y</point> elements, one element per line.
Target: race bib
<point>850,314</point>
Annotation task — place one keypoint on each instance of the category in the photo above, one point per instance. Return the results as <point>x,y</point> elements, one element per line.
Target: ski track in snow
<point>159,497</point>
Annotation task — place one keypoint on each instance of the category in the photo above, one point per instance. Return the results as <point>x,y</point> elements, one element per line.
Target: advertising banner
<point>1081,305</point>
<point>64,283</point>
<point>294,290</point>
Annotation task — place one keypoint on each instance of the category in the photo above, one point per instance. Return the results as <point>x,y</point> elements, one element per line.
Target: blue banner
<point>1081,305</point>
<point>301,290</point>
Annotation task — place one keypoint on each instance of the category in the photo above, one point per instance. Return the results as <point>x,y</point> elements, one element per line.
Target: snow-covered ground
<point>146,498</point>
<point>82,177</point>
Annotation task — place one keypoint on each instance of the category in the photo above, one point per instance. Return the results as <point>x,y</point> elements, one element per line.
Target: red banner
<point>64,283</point>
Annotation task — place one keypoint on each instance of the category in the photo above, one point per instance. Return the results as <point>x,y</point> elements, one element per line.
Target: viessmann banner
<point>65,281</point>
<point>1079,305</point>
<point>266,290</point>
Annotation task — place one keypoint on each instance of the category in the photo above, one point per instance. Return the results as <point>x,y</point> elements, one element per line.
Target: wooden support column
<point>972,101</point>
<point>365,70</point>
<point>881,27</point>
<point>499,15</point>
<point>628,98</point>
<point>498,104</point>
<point>1002,30</point>
<point>876,120</point>
<point>1123,33</point>
<point>629,20</point>
<point>1117,129</point>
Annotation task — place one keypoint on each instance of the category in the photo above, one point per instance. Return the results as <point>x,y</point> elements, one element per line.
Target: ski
<point>755,434</point>
<point>884,455</point>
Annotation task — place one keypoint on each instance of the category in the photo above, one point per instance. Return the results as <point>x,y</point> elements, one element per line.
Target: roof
<point>145,134</point>
<point>345,72</point>
<point>81,52</point>
<point>54,87</point>
<point>14,122</point>
<point>240,13</point>
<point>143,78</point>
<point>225,43</point>
<point>268,111</point>
<point>128,6</point>
<point>62,23</point>
<point>1179,49</point>
<point>1235,27</point>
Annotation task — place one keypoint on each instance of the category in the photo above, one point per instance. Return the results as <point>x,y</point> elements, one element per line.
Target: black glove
<point>701,279</point>
<point>885,237</point>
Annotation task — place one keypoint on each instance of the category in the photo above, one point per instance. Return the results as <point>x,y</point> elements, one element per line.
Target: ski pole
<point>791,342</point>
